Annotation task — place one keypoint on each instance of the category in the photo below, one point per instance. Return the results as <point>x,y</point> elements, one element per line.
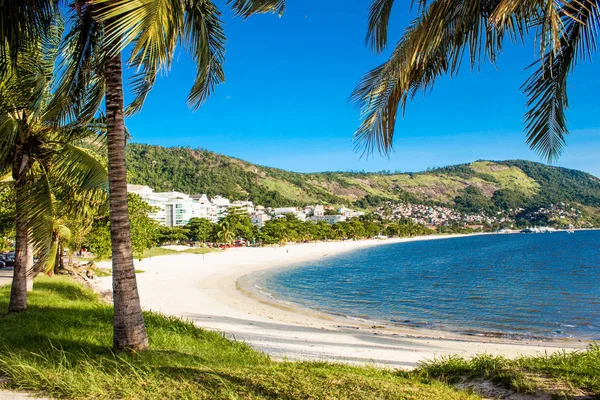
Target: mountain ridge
<point>480,185</point>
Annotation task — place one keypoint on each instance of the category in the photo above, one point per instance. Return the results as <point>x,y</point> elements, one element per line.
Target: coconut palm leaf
<point>9,132</point>
<point>433,45</point>
<point>38,209</point>
<point>546,89</point>
<point>205,41</point>
<point>22,23</point>
<point>247,8</point>
<point>154,27</point>
<point>377,28</point>
<point>80,87</point>
<point>79,169</point>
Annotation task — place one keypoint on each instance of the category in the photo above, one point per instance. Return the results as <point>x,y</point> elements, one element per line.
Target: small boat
<point>571,230</point>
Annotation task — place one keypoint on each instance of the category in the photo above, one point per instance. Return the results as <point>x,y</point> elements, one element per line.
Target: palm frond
<point>205,41</point>
<point>432,46</point>
<point>78,169</point>
<point>36,203</point>
<point>80,87</point>
<point>247,8</point>
<point>6,177</point>
<point>9,132</point>
<point>377,28</point>
<point>546,89</point>
<point>22,23</point>
<point>160,27</point>
<point>154,27</point>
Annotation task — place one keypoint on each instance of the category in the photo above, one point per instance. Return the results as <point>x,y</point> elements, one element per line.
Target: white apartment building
<point>176,208</point>
<point>246,206</point>
<point>330,219</point>
<point>285,210</point>
<point>204,208</point>
<point>222,205</point>
<point>280,212</point>
<point>156,200</point>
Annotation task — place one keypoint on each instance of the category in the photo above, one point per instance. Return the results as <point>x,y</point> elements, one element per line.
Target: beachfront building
<point>204,208</point>
<point>156,200</point>
<point>330,219</point>
<point>281,212</point>
<point>349,213</point>
<point>176,208</point>
<point>222,205</point>
<point>245,206</point>
<point>179,209</point>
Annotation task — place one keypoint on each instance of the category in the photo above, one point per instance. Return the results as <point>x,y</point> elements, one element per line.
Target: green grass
<point>561,374</point>
<point>61,347</point>
<point>161,251</point>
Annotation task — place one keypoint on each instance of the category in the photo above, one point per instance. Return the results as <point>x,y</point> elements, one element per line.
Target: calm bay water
<point>525,285</point>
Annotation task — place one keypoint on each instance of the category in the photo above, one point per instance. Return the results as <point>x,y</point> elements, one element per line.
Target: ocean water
<point>535,285</point>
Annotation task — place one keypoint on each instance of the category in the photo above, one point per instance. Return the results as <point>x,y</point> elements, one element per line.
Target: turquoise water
<point>537,285</point>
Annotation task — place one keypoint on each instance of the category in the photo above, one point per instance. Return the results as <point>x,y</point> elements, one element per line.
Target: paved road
<point>5,277</point>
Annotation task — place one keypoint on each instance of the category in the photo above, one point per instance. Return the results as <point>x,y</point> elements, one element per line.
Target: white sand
<point>205,289</point>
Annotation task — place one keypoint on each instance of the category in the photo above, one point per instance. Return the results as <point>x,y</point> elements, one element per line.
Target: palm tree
<point>38,153</point>
<point>92,68</point>
<point>75,212</point>
<point>435,42</point>
<point>225,233</point>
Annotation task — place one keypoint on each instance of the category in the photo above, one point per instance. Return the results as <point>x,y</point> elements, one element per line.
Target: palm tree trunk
<point>129,328</point>
<point>18,290</point>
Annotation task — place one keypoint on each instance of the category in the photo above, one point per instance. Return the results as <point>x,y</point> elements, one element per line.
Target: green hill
<point>482,185</point>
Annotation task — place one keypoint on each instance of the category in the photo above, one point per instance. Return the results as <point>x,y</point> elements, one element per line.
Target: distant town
<point>175,209</point>
<point>559,214</point>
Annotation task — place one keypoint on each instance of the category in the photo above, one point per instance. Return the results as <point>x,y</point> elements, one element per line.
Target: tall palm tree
<point>38,153</point>
<point>92,68</point>
<point>435,42</point>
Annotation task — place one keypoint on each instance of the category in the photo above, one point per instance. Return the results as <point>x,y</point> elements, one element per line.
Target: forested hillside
<point>482,185</point>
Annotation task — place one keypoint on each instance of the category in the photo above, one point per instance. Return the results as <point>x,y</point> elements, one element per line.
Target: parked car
<point>7,259</point>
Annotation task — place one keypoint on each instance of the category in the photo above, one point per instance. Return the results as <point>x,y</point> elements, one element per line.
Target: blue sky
<point>285,100</point>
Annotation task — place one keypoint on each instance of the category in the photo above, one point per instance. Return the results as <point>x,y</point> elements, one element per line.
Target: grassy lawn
<point>160,251</point>
<point>564,375</point>
<point>61,347</point>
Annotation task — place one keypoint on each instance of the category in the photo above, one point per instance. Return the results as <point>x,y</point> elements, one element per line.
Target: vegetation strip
<point>62,348</point>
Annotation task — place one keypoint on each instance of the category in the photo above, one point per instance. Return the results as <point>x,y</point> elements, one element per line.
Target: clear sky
<point>288,80</point>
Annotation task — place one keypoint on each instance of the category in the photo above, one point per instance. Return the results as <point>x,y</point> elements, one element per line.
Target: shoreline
<point>212,290</point>
<point>253,286</point>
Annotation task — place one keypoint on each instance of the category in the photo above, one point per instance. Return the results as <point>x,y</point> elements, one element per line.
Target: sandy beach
<point>214,291</point>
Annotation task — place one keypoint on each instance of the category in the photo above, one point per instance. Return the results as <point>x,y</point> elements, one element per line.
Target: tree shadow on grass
<point>67,291</point>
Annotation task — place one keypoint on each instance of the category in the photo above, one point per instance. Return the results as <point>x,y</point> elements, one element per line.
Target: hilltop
<point>487,186</point>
